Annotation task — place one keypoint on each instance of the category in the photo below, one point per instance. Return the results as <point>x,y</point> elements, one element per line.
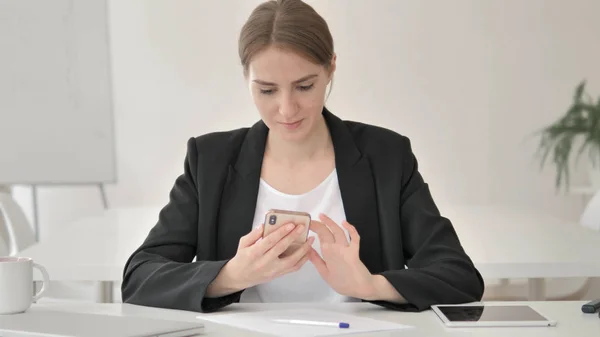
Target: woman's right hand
<point>258,261</point>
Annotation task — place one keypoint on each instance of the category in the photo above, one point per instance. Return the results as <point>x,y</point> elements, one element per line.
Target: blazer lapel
<point>238,201</point>
<point>358,192</point>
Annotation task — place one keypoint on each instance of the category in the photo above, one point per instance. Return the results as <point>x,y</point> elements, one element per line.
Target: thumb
<point>318,262</point>
<point>251,238</point>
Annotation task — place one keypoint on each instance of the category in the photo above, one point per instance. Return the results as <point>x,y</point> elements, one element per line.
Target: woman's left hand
<point>341,266</point>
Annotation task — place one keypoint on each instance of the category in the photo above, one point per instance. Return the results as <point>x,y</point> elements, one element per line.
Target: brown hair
<point>289,24</point>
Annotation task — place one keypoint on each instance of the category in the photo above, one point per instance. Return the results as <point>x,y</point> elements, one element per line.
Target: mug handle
<point>46,283</point>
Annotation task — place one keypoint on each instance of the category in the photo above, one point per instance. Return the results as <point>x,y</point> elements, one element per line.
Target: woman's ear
<point>332,66</point>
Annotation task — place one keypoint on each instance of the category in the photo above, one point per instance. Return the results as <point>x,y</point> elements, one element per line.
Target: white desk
<point>571,321</point>
<point>503,243</point>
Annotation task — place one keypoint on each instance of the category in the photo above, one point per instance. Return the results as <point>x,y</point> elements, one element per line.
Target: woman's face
<point>288,91</point>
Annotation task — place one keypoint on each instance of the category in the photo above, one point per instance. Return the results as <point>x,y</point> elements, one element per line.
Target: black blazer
<point>212,205</point>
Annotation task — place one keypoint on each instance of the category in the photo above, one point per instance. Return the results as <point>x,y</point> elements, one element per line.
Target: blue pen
<point>341,325</point>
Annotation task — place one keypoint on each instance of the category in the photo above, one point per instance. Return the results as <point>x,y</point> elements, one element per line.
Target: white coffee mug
<point>16,284</point>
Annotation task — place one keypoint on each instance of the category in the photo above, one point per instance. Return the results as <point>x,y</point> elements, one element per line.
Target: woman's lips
<point>292,126</point>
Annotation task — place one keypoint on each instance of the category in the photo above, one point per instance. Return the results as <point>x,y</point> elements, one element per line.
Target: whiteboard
<point>56,111</point>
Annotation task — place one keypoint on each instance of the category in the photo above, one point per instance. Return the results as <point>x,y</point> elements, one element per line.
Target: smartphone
<point>276,218</point>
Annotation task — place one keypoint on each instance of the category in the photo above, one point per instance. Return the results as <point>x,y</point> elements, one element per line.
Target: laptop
<point>69,324</point>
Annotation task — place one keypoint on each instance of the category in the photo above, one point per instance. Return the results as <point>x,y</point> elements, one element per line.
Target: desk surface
<point>571,321</point>
<point>503,243</point>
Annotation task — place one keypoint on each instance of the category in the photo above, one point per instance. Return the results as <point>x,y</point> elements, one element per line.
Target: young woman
<point>377,236</point>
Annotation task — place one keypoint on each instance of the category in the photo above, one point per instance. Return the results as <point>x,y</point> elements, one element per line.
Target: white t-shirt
<point>305,285</point>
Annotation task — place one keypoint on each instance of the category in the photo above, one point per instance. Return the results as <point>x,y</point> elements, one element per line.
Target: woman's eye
<point>272,91</point>
<point>306,87</point>
<point>266,91</point>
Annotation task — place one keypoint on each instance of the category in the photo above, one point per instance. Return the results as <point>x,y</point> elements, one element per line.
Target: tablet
<point>482,315</point>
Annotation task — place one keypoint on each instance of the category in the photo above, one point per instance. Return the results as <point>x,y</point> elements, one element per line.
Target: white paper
<point>262,321</point>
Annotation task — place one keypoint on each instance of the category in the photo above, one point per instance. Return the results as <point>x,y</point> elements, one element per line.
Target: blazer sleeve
<point>160,273</point>
<point>439,271</point>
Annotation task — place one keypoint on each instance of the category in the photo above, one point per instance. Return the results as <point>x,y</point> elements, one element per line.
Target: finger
<point>300,263</point>
<point>251,238</point>
<point>319,263</point>
<point>354,237</point>
<point>290,261</point>
<point>269,241</point>
<point>303,259</point>
<point>325,235</point>
<point>285,243</point>
<point>338,233</point>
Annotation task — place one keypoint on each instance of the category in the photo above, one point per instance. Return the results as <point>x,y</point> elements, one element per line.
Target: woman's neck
<point>316,146</point>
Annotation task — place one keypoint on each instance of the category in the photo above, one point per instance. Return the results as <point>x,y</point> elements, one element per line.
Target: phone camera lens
<point>272,219</point>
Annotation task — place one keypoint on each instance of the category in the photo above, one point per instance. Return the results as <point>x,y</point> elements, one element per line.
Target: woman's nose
<point>288,107</point>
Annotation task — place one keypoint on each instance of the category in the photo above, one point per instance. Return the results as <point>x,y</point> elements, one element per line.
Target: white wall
<point>466,80</point>
<point>539,58</point>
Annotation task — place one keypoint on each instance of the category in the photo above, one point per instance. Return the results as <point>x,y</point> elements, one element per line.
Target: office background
<point>468,81</point>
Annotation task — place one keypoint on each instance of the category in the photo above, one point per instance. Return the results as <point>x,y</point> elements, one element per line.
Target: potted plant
<point>576,133</point>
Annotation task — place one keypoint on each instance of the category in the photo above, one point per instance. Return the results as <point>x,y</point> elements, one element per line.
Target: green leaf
<point>588,141</point>
<point>579,91</point>
<point>562,159</point>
